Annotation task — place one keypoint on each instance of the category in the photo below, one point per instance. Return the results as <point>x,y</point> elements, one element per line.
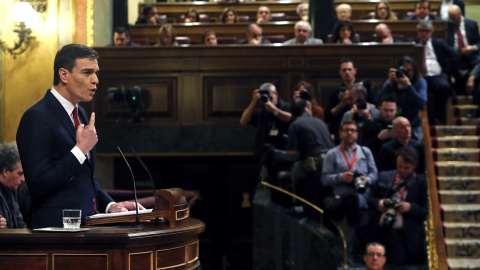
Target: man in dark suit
<point>423,12</point>
<point>464,37</point>
<point>440,63</point>
<point>56,142</point>
<point>399,226</point>
<point>254,35</point>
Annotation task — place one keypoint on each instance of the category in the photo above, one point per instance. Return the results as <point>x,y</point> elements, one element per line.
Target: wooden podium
<point>166,244</point>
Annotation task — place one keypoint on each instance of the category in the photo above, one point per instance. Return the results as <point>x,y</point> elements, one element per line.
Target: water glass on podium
<point>72,218</point>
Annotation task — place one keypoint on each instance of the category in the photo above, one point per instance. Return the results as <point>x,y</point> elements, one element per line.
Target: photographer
<point>349,169</point>
<point>409,90</point>
<point>270,115</point>
<point>398,204</point>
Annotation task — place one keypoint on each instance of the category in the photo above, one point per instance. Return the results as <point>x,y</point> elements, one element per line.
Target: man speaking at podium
<point>56,141</point>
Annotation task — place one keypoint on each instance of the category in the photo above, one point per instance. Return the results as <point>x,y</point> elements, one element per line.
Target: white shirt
<point>444,9</point>
<point>433,67</point>
<point>464,35</point>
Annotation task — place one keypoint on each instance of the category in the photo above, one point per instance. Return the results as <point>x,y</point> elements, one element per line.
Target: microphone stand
<point>149,175</point>
<point>137,218</point>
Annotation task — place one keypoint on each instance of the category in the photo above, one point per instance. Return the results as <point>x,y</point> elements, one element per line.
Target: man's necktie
<point>461,43</point>
<point>75,117</point>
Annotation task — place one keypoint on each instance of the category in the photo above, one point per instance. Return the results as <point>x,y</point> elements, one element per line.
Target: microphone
<point>146,169</point>
<point>137,218</point>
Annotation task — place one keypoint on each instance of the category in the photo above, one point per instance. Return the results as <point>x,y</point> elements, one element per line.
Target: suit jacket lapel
<point>61,114</point>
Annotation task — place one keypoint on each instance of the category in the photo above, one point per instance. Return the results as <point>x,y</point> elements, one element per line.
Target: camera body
<point>390,215</point>
<point>305,95</point>
<point>401,71</point>
<point>358,182</point>
<point>264,96</point>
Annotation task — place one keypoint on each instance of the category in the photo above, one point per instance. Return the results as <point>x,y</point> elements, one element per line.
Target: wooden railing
<point>437,255</point>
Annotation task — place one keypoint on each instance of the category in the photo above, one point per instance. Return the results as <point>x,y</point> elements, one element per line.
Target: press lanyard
<point>402,189</point>
<point>350,165</point>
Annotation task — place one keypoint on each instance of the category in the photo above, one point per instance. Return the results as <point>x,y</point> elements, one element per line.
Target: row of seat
<point>163,18</point>
<point>183,40</point>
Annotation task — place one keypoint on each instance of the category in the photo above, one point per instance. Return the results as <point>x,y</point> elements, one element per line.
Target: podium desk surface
<point>115,247</point>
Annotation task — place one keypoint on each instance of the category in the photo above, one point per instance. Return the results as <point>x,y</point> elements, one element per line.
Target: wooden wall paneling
<point>23,261</point>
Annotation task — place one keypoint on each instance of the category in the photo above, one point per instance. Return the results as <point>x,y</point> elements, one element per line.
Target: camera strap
<point>398,187</point>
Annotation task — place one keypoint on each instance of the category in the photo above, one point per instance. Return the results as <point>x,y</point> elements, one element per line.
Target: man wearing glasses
<point>350,169</point>
<point>302,35</point>
<point>374,257</point>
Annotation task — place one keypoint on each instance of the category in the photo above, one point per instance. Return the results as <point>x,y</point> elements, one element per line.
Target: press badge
<point>273,132</point>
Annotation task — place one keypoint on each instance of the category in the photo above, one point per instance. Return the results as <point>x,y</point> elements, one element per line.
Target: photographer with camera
<point>304,89</point>
<point>398,204</point>
<point>409,90</point>
<point>349,169</point>
<point>270,115</point>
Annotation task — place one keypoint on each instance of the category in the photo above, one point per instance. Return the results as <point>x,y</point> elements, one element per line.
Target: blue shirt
<point>334,165</point>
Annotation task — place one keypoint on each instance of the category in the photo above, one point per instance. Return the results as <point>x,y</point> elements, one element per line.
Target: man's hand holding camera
<point>348,177</point>
<point>398,76</point>
<point>401,207</point>
<point>385,134</point>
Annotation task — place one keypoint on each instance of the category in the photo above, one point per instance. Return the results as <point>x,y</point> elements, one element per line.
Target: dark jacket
<point>447,57</point>
<point>12,215</point>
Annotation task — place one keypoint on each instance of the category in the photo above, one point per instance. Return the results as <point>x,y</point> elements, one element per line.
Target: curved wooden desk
<point>107,248</point>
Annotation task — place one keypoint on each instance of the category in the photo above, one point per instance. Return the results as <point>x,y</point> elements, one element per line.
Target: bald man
<point>383,34</point>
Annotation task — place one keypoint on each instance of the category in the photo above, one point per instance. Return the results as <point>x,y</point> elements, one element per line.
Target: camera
<point>358,182</point>
<point>305,95</point>
<point>400,71</point>
<point>390,215</point>
<point>264,96</point>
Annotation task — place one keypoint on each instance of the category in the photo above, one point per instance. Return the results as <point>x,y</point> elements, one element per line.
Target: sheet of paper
<point>133,212</point>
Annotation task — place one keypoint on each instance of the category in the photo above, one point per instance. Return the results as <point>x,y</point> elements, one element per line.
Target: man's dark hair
<point>147,9</point>
<point>346,60</point>
<point>122,30</point>
<point>298,107</point>
<point>424,1</point>
<point>409,60</point>
<point>375,244</point>
<point>347,122</point>
<point>388,98</point>
<point>9,156</point>
<point>409,155</point>
<point>67,56</point>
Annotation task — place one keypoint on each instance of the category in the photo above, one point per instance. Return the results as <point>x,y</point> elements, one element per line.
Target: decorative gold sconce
<point>21,13</point>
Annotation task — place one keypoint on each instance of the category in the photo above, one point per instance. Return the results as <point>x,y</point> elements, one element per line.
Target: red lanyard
<point>402,189</point>
<point>350,165</point>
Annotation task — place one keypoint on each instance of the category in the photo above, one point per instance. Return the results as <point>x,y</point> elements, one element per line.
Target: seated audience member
<point>228,16</point>
<point>10,179</point>
<point>302,11</point>
<point>383,34</point>
<point>422,12</point>
<point>441,63</point>
<point>254,35</point>
<point>121,37</point>
<point>344,33</point>
<point>398,207</point>
<point>384,12</point>
<point>409,91</point>
<point>263,14</point>
<point>401,137</point>
<point>344,12</point>
<point>191,16</point>
<point>338,102</point>
<point>350,169</point>
<point>446,4</point>
<point>149,16</point>
<point>375,133</point>
<point>317,110</point>
<point>374,256</point>
<point>464,37</point>
<point>166,36</point>
<point>302,31</point>
<point>308,141</point>
<point>360,111</point>
<point>209,38</point>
